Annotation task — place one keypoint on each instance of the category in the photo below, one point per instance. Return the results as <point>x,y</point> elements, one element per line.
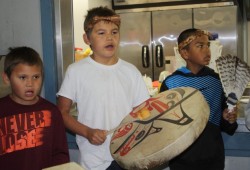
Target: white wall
<point>20,25</point>
<point>80,8</point>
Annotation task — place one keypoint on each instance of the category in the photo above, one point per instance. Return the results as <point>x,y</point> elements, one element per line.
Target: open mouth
<point>109,47</point>
<point>29,93</point>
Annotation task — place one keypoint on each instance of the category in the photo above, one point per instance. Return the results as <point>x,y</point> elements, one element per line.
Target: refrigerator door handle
<point>159,56</point>
<point>145,56</point>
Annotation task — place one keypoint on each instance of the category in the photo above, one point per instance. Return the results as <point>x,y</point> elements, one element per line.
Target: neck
<point>195,70</point>
<point>105,61</point>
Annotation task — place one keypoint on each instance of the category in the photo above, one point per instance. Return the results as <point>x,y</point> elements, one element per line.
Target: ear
<point>5,78</point>
<point>86,39</point>
<point>184,54</point>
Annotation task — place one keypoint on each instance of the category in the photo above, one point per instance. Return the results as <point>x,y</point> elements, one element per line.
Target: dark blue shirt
<point>208,82</point>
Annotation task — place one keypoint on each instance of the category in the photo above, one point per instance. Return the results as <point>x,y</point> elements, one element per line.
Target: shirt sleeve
<point>228,127</point>
<point>163,86</point>
<point>225,125</point>
<point>68,86</point>
<point>141,92</point>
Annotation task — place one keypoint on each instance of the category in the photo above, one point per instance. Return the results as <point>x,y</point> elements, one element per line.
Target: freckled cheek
<point>117,38</point>
<point>38,84</point>
<point>17,87</point>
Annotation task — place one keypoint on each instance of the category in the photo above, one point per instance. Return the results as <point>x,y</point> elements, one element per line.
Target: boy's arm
<point>95,136</point>
<point>228,121</point>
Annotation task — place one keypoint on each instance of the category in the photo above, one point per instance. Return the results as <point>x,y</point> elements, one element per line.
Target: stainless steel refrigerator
<point>149,35</point>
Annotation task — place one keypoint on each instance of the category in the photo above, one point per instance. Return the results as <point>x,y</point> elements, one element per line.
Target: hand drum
<point>160,128</point>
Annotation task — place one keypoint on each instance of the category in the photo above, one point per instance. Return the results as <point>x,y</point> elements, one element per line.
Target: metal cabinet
<point>147,37</point>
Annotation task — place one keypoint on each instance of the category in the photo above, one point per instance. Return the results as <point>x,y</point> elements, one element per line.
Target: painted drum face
<point>160,128</point>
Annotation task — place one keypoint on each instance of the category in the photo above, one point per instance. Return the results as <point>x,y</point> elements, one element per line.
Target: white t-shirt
<point>104,96</point>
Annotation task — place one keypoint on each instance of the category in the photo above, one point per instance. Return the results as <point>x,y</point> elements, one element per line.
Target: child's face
<point>25,82</point>
<point>104,40</point>
<point>198,54</point>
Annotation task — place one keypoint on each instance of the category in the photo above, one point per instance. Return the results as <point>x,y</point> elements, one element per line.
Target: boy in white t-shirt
<point>104,87</point>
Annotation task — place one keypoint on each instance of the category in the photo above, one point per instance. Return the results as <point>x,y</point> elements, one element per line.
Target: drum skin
<point>177,118</point>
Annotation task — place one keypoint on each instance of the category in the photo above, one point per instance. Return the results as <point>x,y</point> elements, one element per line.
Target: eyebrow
<point>103,29</point>
<point>201,42</point>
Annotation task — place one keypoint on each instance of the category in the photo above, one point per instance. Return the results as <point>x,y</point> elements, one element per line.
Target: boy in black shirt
<point>207,152</point>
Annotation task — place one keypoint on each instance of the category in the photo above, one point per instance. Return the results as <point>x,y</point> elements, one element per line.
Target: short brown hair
<point>21,55</point>
<point>98,11</point>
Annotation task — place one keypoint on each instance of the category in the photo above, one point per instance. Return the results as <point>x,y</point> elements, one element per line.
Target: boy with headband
<point>207,152</point>
<point>104,87</point>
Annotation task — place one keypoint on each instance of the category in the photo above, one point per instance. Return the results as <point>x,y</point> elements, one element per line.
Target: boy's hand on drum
<point>230,116</point>
<point>96,136</point>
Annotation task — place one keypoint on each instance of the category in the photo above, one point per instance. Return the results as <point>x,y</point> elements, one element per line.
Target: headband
<point>115,19</point>
<point>192,37</point>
